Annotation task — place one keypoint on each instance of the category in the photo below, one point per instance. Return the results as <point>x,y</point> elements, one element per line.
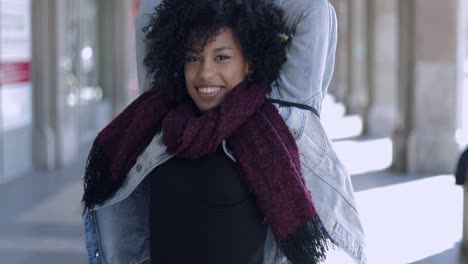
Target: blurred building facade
<point>15,88</point>
<point>68,66</point>
<point>401,66</point>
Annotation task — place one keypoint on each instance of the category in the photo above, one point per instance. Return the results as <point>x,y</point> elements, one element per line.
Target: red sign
<point>15,72</point>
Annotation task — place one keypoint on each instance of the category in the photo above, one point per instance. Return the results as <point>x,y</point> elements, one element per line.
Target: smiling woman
<point>203,167</point>
<point>213,72</point>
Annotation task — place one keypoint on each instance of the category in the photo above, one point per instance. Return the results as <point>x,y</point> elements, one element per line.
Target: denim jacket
<point>118,230</point>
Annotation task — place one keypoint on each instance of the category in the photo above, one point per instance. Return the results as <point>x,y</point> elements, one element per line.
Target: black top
<point>202,212</point>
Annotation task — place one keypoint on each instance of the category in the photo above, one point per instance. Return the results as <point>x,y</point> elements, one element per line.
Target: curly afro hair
<point>257,24</point>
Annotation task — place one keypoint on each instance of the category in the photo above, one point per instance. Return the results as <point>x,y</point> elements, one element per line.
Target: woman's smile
<point>209,92</point>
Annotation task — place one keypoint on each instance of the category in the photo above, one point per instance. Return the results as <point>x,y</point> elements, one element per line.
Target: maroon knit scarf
<point>265,151</point>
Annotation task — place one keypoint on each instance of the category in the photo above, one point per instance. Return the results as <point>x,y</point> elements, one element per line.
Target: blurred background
<point>397,113</point>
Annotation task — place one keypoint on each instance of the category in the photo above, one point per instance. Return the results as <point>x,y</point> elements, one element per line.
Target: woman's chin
<point>207,107</point>
<point>207,102</point>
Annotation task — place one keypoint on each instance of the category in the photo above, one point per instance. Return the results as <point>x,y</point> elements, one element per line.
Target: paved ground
<point>407,218</point>
<point>41,218</point>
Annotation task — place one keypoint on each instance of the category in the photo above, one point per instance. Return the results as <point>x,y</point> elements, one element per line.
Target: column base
<point>381,121</point>
<point>356,105</point>
<point>400,150</point>
<point>434,152</point>
<point>465,221</point>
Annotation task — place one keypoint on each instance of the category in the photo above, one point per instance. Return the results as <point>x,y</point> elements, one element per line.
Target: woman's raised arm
<point>306,74</point>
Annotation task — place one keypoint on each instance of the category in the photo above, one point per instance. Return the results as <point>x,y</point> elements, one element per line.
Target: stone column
<point>431,146</point>
<point>339,83</point>
<point>55,124</point>
<point>383,60</point>
<point>405,84</point>
<point>117,51</point>
<point>357,94</point>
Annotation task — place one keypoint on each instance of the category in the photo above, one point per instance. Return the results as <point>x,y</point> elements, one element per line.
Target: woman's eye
<point>191,59</point>
<point>222,57</point>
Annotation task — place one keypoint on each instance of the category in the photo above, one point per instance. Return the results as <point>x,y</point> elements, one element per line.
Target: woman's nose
<point>207,70</point>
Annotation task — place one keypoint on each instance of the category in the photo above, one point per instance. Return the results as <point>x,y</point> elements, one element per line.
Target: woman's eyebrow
<point>222,48</point>
<point>194,51</point>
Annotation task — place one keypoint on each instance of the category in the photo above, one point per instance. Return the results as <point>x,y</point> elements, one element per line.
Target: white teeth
<point>208,89</point>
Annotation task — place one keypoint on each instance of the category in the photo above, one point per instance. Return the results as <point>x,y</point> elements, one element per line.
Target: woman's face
<point>211,73</point>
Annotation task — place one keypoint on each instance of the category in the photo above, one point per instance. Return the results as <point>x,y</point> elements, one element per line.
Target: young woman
<point>173,151</point>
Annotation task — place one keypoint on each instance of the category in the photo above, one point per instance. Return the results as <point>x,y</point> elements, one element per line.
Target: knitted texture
<point>266,153</point>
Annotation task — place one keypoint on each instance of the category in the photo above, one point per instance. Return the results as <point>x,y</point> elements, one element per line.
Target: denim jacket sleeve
<point>306,74</point>
<point>145,11</point>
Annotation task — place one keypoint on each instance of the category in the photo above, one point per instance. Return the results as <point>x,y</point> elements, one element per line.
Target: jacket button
<point>295,132</point>
<point>138,167</point>
<point>97,254</point>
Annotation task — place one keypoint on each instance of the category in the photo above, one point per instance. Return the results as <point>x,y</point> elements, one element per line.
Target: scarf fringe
<point>308,244</point>
<point>98,185</point>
